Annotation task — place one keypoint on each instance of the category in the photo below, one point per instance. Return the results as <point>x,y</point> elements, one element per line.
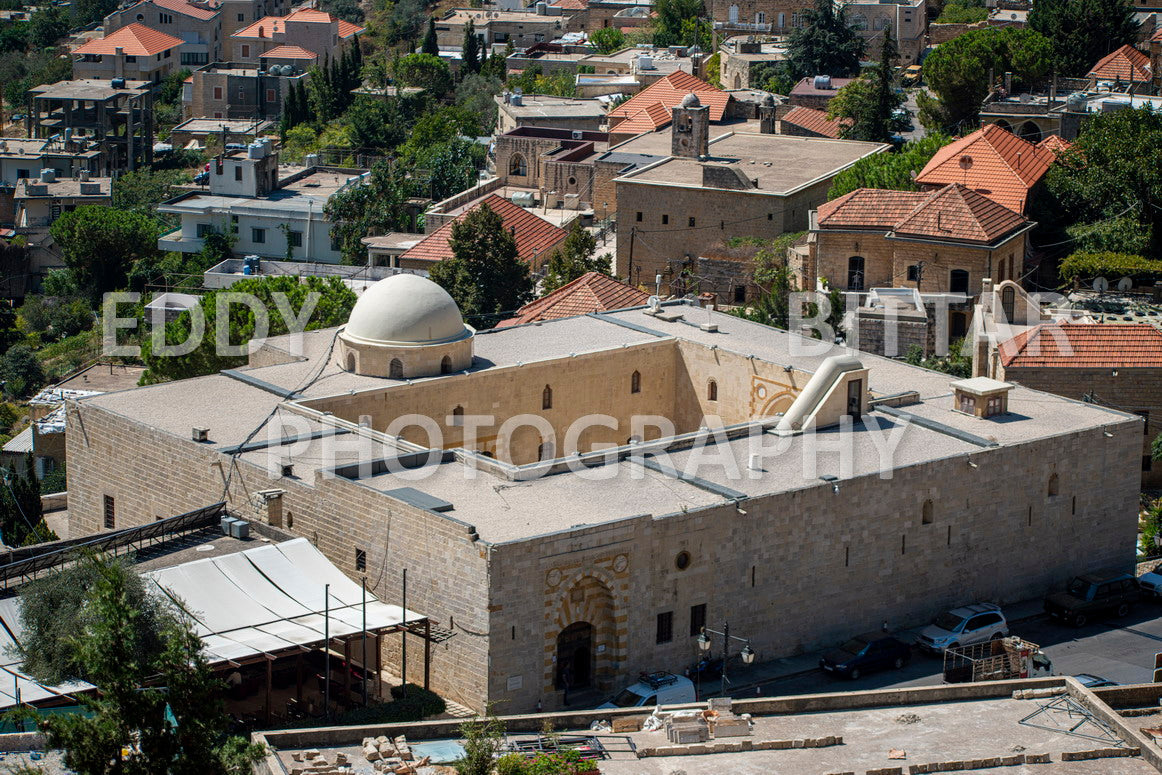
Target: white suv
<point>963,627</point>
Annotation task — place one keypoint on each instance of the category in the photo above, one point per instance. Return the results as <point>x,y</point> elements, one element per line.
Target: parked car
<point>1151,584</point>
<point>1091,595</point>
<point>864,654</point>
<point>1091,681</point>
<point>963,627</point>
<point>654,689</point>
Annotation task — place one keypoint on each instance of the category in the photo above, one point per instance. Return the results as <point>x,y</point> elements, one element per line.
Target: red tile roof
<point>1055,143</point>
<point>289,52</point>
<point>134,40</point>
<point>347,29</point>
<point>953,213</point>
<point>1126,64</point>
<point>815,121</point>
<point>591,292</point>
<point>572,5</point>
<point>1000,165</point>
<point>1084,345</point>
<point>182,7</point>
<point>649,119</point>
<point>669,92</point>
<point>534,235</point>
<point>273,24</point>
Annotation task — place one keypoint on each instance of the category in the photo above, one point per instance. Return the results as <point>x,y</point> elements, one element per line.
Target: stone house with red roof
<point>1122,67</point>
<point>135,52</point>
<point>305,29</point>
<point>197,23</point>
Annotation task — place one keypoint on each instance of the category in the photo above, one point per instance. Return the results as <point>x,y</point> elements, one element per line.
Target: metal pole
<point>404,634</point>
<point>725,653</point>
<point>327,651</point>
<point>363,659</point>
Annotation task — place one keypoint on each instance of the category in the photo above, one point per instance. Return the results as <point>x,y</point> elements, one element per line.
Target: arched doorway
<point>1031,132</point>
<point>1005,125</point>
<point>737,81</point>
<point>575,656</point>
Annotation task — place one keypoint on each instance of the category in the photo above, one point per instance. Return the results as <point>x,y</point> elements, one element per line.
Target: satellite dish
<point>655,303</point>
<point>1101,284</point>
<point>1125,284</point>
<point>965,162</point>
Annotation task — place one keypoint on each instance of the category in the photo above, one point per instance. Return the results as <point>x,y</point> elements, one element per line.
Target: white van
<point>655,689</point>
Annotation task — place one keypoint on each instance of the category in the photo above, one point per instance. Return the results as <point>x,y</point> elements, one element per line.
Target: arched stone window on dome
<point>395,369</point>
<point>635,382</point>
<point>351,362</point>
<point>547,398</point>
<point>518,166</point>
<point>446,365</point>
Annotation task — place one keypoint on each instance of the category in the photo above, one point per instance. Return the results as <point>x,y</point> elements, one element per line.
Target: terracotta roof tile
<point>1126,64</point>
<point>814,121</point>
<point>572,5</point>
<point>534,235</point>
<point>1084,345</point>
<point>591,292</point>
<point>188,9</point>
<point>1055,143</point>
<point>273,24</point>
<point>649,119</point>
<point>347,29</point>
<point>669,92</point>
<point>953,213</point>
<point>289,52</point>
<point>134,40</point>
<point>1002,166</point>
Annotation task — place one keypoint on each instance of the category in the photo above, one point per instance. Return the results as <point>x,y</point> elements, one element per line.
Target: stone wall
<point>942,33</point>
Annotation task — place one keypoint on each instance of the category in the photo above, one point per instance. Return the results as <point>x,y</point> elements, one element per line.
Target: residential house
<point>539,110</point>
<point>993,162</point>
<point>650,109</point>
<point>134,52</point>
<point>906,19</point>
<point>307,30</point>
<point>740,17</point>
<point>111,116</point>
<point>559,164</point>
<point>272,218</point>
<point>535,237</point>
<point>236,14</point>
<point>1124,67</point>
<point>22,157</point>
<point>739,55</point>
<point>40,201</point>
<point>196,23</point>
<point>589,293</point>
<point>520,28</point>
<point>235,90</point>
<point>223,131</point>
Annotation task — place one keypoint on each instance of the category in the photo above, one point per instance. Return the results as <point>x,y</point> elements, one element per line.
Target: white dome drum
<point>402,327</point>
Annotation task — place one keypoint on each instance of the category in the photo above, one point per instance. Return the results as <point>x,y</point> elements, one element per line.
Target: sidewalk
<point>743,678</point>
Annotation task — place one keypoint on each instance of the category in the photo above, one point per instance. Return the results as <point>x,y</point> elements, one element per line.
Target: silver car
<point>963,627</point>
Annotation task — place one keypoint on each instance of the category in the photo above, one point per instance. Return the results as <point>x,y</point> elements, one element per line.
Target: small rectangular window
<point>1145,415</point>
<point>665,219</point>
<point>270,95</point>
<point>691,222</point>
<point>238,172</point>
<point>913,273</point>
<point>245,52</point>
<point>204,229</point>
<point>360,560</point>
<point>241,17</point>
<point>217,92</point>
<point>294,239</point>
<point>638,217</point>
<point>258,236</point>
<point>697,618</point>
<point>665,632</point>
<point>110,512</point>
<point>1147,463</point>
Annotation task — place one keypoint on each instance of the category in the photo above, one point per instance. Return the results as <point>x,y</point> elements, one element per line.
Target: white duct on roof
<point>820,387</point>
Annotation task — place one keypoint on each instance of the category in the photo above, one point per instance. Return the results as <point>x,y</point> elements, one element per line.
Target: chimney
<point>119,61</point>
<point>1019,159</point>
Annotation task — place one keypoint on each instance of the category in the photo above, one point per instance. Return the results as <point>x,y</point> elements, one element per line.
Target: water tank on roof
<point>255,151</point>
<point>117,83</point>
<point>312,160</point>
<point>645,62</point>
<point>47,175</point>
<point>250,265</point>
<point>288,69</point>
<point>823,82</point>
<point>1076,101</point>
<point>266,145</point>
<point>542,8</point>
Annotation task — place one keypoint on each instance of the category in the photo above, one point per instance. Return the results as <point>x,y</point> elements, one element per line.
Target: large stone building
<point>317,32</point>
<point>197,24</point>
<point>604,550</point>
<point>907,20</point>
<point>710,190</point>
<point>135,52</point>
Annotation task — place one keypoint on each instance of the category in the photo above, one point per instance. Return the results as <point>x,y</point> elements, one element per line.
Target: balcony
<point>743,26</point>
<point>176,242</point>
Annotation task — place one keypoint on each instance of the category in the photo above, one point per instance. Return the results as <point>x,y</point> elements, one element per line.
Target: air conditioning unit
<point>578,134</point>
<point>240,529</point>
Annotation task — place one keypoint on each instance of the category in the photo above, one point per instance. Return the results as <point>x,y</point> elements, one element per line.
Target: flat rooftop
<point>502,507</point>
<point>26,188</point>
<point>22,146</point>
<point>99,89</point>
<point>481,17</point>
<point>782,164</point>
<point>231,125</point>
<point>544,106</point>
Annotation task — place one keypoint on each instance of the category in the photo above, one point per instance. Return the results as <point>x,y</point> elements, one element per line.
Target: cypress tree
<point>470,51</point>
<point>430,46</point>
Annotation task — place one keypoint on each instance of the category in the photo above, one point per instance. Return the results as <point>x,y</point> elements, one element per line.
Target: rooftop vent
<point>200,434</point>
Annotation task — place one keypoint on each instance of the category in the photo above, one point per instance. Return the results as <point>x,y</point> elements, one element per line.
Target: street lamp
<point>747,652</point>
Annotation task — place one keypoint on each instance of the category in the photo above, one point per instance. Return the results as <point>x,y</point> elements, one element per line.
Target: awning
<point>12,679</point>
<point>270,599</point>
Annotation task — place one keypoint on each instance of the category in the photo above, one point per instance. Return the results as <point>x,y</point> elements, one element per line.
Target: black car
<point>1091,595</point>
<point>865,653</point>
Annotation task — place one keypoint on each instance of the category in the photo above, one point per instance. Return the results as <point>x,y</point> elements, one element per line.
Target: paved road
<point>1119,650</point>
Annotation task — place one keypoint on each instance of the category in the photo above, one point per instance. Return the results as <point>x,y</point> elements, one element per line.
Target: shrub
<point>1083,266</point>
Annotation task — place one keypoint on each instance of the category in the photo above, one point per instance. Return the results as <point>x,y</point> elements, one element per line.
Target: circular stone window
<point>572,181</point>
<point>682,561</point>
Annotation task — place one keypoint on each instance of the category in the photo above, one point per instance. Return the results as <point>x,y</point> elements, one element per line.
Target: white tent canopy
<point>270,599</point>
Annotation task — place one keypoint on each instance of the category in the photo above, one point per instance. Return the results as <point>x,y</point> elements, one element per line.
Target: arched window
<point>547,398</point>
<point>635,382</point>
<point>858,21</point>
<point>881,22</point>
<point>351,362</point>
<point>1008,302</point>
<point>732,13</point>
<point>1005,125</point>
<point>1031,132</point>
<point>855,273</point>
<point>1052,485</point>
<point>458,415</point>
<point>518,166</point>
<point>395,369</point>
<point>926,513</point>
<point>737,81</point>
<point>958,281</point>
<point>446,364</point>
<point>711,391</point>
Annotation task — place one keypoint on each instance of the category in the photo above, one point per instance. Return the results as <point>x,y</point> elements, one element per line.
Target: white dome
<point>406,309</point>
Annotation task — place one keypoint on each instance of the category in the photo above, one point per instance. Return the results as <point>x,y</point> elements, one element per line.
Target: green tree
<point>142,190</point>
<point>475,95</point>
<point>21,520</point>
<point>825,45</point>
<point>776,282</point>
<point>669,18</point>
<point>47,26</point>
<point>1083,31</point>
<point>1116,235</point>
<point>376,206</point>
<point>376,123</point>
<point>86,12</point>
<point>144,658</point>
<point>893,171</point>
<point>775,77</point>
<point>868,102</point>
<point>483,742</point>
<point>576,256</point>
<point>21,372</point>
<point>958,72</point>
<point>963,12</point>
<point>1114,172</point>
<point>607,40</point>
<point>956,363</point>
<point>430,46</point>
<point>100,244</point>
<point>425,71</point>
<point>21,72</point>
<point>470,49</point>
<point>485,275</point>
<point>334,303</point>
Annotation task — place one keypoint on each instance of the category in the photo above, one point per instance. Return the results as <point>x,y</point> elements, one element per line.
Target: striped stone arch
<point>588,596</point>
<point>768,397</point>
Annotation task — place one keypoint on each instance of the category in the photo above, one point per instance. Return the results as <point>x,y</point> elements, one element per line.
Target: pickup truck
<point>995,660</point>
<point>1090,595</point>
